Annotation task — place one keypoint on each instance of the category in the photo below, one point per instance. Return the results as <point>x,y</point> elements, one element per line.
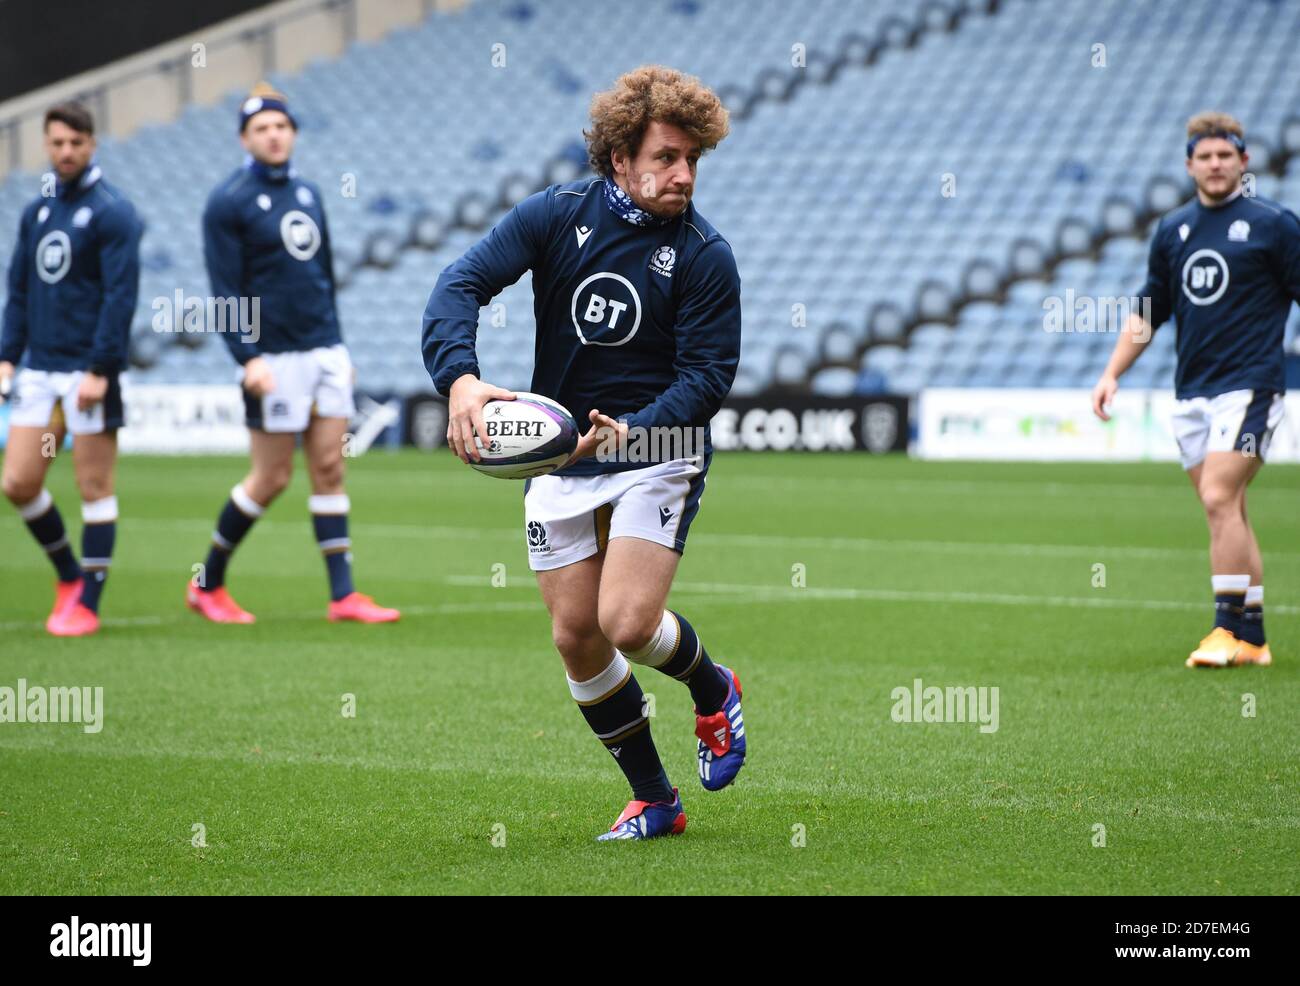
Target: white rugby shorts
<point>1239,420</point>
<point>311,381</point>
<point>36,393</point>
<point>569,518</point>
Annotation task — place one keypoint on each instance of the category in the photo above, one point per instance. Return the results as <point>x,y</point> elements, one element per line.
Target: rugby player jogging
<point>637,301</point>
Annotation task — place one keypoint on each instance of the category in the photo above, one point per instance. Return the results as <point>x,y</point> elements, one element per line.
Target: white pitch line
<point>1096,552</point>
<point>755,594</point>
<point>767,593</point>
<point>752,594</point>
<point>1172,491</point>
<point>859,484</point>
<point>304,616</point>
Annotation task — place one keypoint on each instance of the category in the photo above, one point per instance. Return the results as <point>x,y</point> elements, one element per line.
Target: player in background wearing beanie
<point>265,238</point>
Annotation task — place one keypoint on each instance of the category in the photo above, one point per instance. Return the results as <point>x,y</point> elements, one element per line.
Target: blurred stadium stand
<point>859,272</point>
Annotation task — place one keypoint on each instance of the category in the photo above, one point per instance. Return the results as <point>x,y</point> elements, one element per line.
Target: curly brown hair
<point>1212,122</point>
<point>619,116</point>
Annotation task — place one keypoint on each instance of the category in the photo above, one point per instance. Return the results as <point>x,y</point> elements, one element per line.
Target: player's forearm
<point>109,355</point>
<point>241,340</point>
<point>112,339</point>
<point>450,328</point>
<point>448,345</point>
<point>692,400</point>
<point>450,331</point>
<point>119,262</point>
<point>13,335</point>
<point>13,339</point>
<point>241,347</point>
<point>1133,339</point>
<point>225,279</point>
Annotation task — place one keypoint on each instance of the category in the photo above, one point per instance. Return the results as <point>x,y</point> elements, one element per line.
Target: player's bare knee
<point>327,478</point>
<point>574,639</point>
<point>629,630</point>
<point>265,486</point>
<point>20,490</point>
<point>1221,503</point>
<point>94,488</point>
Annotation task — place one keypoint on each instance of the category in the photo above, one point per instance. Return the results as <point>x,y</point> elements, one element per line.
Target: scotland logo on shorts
<point>300,234</point>
<point>606,310</point>
<point>537,538</point>
<point>1205,277</point>
<point>663,260</point>
<point>53,256</point>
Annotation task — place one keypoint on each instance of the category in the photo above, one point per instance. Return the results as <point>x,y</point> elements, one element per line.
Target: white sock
<point>1230,583</point>
<point>594,689</point>
<point>662,645</point>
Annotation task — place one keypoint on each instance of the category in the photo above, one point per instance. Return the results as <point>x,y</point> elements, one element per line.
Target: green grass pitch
<point>465,737</point>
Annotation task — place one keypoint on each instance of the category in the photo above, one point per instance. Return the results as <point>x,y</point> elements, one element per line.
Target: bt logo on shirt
<point>606,310</point>
<point>1205,277</point>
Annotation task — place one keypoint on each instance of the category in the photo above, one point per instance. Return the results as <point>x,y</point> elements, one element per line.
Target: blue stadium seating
<point>831,188</point>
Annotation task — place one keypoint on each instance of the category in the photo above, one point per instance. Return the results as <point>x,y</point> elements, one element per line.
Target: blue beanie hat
<point>263,98</point>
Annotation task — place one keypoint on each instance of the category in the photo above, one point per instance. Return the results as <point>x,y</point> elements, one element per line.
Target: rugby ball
<point>528,436</point>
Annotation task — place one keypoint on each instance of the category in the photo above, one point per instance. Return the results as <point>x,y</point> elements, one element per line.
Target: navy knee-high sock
<point>99,531</point>
<point>236,520</point>
<point>614,707</point>
<point>329,518</point>
<point>46,524</point>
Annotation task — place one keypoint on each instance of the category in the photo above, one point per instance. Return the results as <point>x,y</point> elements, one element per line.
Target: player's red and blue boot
<point>722,738</point>
<point>648,820</point>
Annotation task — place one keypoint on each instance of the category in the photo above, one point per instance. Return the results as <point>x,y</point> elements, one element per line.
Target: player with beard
<point>637,301</point>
